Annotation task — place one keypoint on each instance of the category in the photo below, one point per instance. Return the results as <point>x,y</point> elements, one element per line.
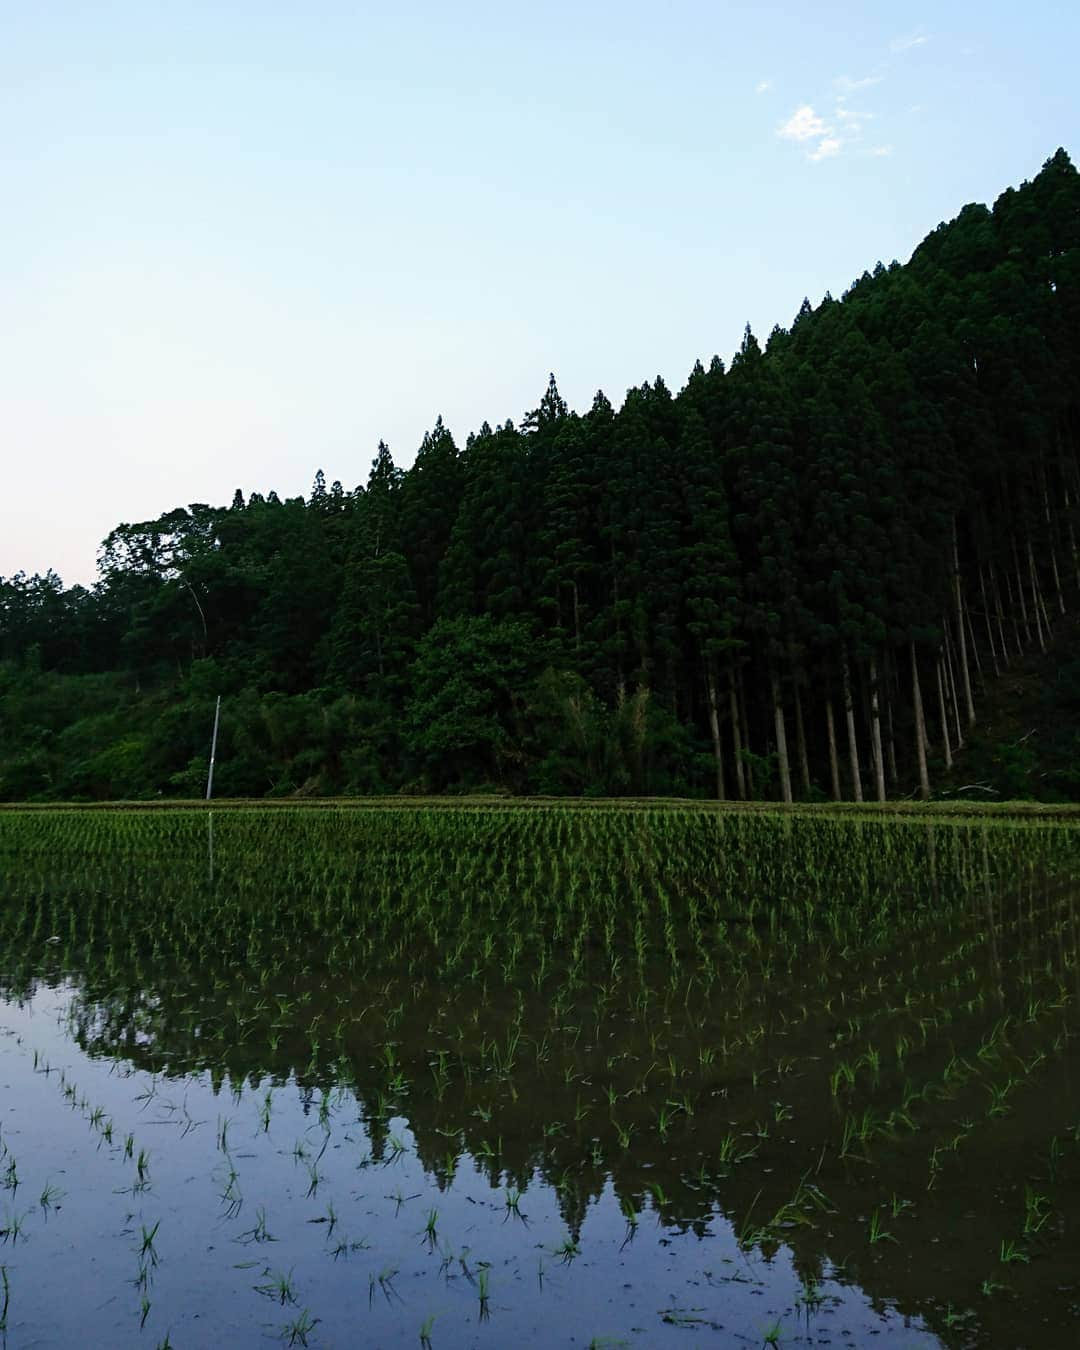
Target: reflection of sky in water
<point>354,1244</point>
<point>660,1026</point>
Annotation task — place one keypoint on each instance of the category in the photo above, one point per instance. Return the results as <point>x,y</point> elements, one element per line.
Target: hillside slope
<point>781,582</point>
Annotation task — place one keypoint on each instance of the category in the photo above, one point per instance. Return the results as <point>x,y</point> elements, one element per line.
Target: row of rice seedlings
<point>694,955</point>
<point>398,1005</point>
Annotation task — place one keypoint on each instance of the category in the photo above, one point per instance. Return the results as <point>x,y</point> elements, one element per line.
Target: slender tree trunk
<point>736,735</point>
<point>1012,613</point>
<point>1057,579</point>
<point>944,715</point>
<point>1050,542</point>
<point>577,616</point>
<point>920,727</point>
<point>834,765</point>
<point>1020,589</point>
<point>1036,599</point>
<point>745,721</point>
<point>714,728</point>
<point>951,686</point>
<point>1040,597</point>
<point>971,639</point>
<point>849,714</point>
<point>800,742</point>
<point>989,624</point>
<point>1072,533</point>
<point>999,612</point>
<point>781,736</point>
<point>875,733</point>
<point>890,735</point>
<point>965,674</point>
<point>1046,618</point>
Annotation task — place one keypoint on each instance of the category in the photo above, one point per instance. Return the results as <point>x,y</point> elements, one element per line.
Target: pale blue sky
<point>244,241</point>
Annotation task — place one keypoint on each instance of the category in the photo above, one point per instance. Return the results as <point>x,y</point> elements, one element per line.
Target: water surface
<point>545,1076</point>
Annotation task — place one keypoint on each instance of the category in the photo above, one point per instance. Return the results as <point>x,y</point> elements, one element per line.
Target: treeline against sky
<point>790,580</point>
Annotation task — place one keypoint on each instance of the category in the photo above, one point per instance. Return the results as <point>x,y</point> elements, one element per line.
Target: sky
<point>239,243</point>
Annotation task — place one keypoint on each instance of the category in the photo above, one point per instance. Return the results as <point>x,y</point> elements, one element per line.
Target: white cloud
<point>846,128</point>
<point>763,87</point>
<point>851,119</point>
<point>804,125</point>
<point>827,147</point>
<point>849,86</point>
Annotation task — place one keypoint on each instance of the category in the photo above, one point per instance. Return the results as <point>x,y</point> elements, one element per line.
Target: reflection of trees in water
<point>542,1019</point>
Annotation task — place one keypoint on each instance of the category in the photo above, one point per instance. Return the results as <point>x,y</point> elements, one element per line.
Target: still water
<point>537,1077</point>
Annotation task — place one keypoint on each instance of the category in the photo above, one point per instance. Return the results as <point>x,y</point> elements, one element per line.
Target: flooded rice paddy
<point>537,1076</point>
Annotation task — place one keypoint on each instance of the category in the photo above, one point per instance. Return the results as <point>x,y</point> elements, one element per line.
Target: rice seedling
<point>681,989</point>
<point>330,1218</point>
<point>299,1329</point>
<point>730,1151</point>
<point>14,1226</point>
<point>989,1287</point>
<point>259,1232</point>
<point>1054,1152</point>
<point>315,1177</point>
<point>1037,1212</point>
<point>999,1093</point>
<point>842,1076</point>
<point>277,1285</point>
<point>1010,1253</point>
<point>876,1233</point>
<point>147,1250</point>
<point>568,1251</point>
<point>483,1290</point>
<point>512,1199</point>
<point>385,1282</point>
<point>50,1197</point>
<point>811,1296</point>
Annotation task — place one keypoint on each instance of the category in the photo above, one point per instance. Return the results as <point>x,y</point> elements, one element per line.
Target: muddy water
<point>498,1078</point>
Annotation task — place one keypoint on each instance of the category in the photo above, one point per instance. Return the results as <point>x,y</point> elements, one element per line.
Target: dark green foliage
<point>683,595</point>
<point>466,722</point>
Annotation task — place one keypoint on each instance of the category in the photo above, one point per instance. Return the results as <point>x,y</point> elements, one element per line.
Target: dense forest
<point>793,579</point>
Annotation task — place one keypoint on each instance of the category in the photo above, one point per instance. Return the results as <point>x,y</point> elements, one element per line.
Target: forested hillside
<point>792,579</point>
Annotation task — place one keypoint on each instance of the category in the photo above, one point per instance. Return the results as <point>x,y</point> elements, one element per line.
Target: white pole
<point>213,750</point>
